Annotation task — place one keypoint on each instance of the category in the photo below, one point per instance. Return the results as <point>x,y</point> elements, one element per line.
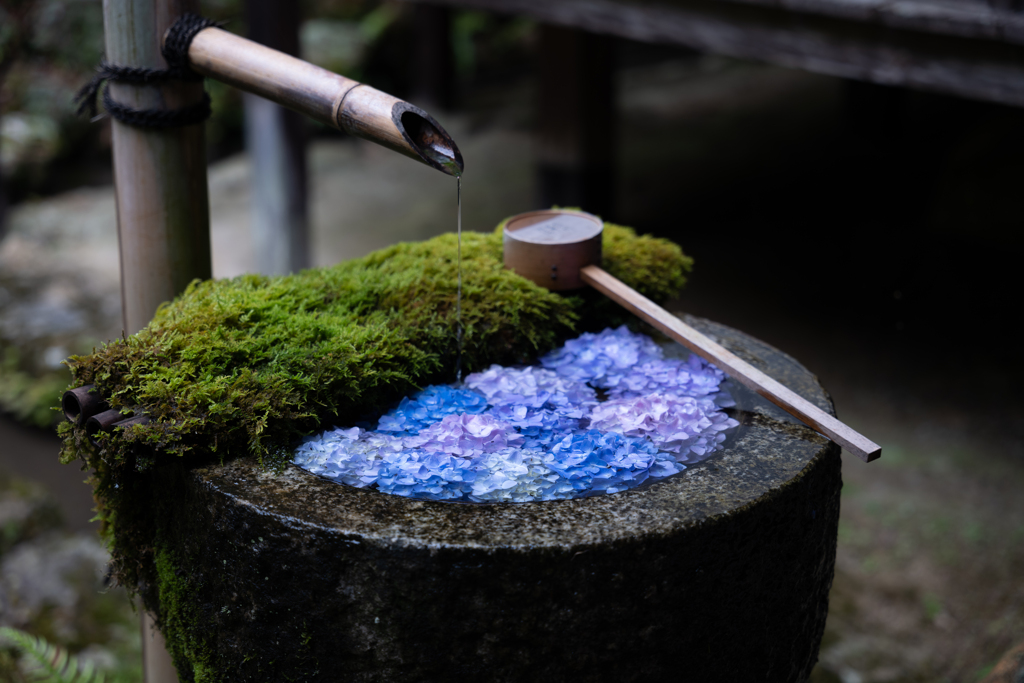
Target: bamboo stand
<point>163,215</point>
<point>163,210</point>
<point>160,174</point>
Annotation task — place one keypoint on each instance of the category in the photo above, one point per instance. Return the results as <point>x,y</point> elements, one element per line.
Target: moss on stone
<point>243,367</point>
<point>190,655</point>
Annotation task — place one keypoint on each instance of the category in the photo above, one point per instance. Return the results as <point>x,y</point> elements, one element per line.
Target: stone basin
<point>720,573</point>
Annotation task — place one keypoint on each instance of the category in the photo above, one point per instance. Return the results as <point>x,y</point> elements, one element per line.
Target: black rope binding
<point>175,52</point>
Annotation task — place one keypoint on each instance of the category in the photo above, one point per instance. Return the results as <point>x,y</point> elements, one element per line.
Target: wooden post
<point>576,120</point>
<point>163,210</point>
<point>157,666</point>
<point>276,141</point>
<point>163,217</point>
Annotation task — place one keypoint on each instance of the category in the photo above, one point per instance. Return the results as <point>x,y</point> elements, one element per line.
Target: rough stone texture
<point>718,574</point>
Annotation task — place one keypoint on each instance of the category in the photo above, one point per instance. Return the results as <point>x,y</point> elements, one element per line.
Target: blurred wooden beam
<point>972,48</point>
<point>575,131</point>
<point>275,138</point>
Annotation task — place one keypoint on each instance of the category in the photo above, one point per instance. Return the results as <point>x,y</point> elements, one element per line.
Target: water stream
<point>458,291</point>
<point>432,148</point>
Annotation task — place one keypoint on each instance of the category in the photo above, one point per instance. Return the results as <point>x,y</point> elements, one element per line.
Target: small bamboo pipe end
<point>434,145</point>
<point>102,422</point>
<point>110,420</point>
<point>373,115</point>
<point>82,403</point>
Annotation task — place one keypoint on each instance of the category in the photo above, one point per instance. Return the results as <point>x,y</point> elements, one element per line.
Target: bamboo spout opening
<point>434,145</point>
<point>71,407</point>
<point>82,403</point>
<point>102,422</point>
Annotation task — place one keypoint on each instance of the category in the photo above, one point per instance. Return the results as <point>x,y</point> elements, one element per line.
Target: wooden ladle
<point>558,248</point>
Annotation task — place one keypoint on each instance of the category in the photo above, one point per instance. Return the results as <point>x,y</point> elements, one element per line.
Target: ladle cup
<point>558,249</point>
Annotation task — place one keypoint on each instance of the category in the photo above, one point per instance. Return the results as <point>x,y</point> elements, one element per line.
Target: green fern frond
<point>49,663</point>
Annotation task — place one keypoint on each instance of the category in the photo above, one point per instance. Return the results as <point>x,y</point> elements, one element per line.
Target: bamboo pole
<point>275,139</point>
<point>540,243</point>
<point>326,97</point>
<point>159,174</point>
<point>161,196</point>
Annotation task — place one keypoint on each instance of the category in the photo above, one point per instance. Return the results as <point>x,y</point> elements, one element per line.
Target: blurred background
<point>868,225</point>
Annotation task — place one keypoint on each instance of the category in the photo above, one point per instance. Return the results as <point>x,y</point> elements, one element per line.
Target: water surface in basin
<point>604,413</point>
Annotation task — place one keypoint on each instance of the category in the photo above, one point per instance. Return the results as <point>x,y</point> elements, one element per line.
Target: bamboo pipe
<point>326,97</point>
<point>159,173</point>
<point>103,422</point>
<point>108,421</point>
<point>556,249</point>
<point>82,403</point>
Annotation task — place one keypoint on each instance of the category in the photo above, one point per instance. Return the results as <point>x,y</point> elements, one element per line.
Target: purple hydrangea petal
<point>677,424</point>
<point>693,376</point>
<point>532,387</point>
<point>602,359</point>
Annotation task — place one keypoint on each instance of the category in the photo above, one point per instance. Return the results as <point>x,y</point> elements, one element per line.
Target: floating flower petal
<point>429,406</point>
<point>673,377</point>
<point>602,359</point>
<point>538,433</point>
<point>532,387</point>
<point>687,426</point>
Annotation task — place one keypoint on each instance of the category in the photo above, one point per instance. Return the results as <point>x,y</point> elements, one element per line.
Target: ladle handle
<point>741,371</point>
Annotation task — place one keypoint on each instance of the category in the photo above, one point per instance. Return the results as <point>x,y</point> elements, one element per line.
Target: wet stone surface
<point>722,571</point>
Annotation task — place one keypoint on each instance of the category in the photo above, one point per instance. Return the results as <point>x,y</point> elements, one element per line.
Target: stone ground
<point>53,584</point>
<point>931,545</point>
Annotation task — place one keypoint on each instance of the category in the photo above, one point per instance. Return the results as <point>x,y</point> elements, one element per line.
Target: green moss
<point>246,365</point>
<point>192,656</point>
<point>243,367</point>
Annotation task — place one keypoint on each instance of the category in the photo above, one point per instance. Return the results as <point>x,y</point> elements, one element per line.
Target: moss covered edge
<point>244,367</point>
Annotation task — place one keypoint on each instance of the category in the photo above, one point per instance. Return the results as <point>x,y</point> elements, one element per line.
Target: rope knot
<point>175,52</point>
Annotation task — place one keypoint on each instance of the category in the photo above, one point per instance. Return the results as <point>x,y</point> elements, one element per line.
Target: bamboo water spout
<point>326,97</point>
<point>557,249</point>
<point>82,403</point>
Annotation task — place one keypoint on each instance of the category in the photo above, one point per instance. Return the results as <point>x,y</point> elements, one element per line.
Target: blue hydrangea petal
<point>429,406</point>
<point>602,359</point>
